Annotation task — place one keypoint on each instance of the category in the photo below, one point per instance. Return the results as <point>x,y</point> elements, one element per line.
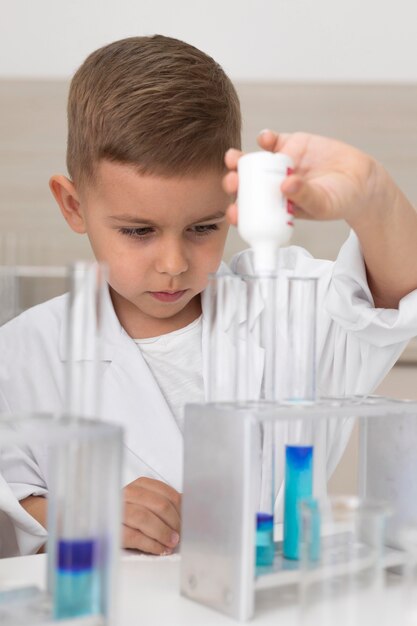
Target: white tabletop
<point>149,593</point>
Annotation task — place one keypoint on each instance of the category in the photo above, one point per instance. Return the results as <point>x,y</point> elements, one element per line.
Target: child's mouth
<point>167,296</point>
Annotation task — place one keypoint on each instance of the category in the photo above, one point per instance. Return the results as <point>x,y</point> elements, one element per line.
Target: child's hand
<point>151,520</point>
<point>331,180</point>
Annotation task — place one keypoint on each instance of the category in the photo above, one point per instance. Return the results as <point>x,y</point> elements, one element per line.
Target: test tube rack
<point>220,464</point>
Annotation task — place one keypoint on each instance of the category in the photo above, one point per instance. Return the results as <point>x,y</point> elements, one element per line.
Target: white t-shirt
<point>176,361</point>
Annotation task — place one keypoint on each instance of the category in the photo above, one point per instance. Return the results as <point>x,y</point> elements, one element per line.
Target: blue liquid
<point>77,582</point>
<point>264,539</point>
<point>298,485</point>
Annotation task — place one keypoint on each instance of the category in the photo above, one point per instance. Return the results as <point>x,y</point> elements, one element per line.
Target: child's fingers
<point>139,517</point>
<point>272,141</point>
<point>230,182</point>
<point>138,498</point>
<point>157,486</point>
<point>231,158</point>
<point>136,540</point>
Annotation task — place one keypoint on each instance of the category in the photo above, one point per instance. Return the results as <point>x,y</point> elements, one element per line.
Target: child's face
<point>160,237</point>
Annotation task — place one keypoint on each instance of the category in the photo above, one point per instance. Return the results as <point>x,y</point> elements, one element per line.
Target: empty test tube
<point>224,296</point>
<point>87,285</point>
<point>301,340</point>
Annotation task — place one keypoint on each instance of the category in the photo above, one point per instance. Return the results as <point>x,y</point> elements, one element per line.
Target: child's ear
<point>67,197</point>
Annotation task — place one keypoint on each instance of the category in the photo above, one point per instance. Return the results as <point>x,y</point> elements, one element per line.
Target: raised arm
<point>333,180</point>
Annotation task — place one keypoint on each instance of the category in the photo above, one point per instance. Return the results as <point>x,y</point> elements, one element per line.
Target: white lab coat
<point>357,345</point>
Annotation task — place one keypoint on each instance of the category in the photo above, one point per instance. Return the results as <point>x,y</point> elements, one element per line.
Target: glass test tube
<point>244,361</point>
<point>84,533</point>
<point>243,331</point>
<point>87,284</point>
<point>264,541</point>
<point>262,340</point>
<point>298,486</point>
<point>301,340</point>
<point>300,388</point>
<point>261,375</point>
<point>225,303</point>
<point>77,469</point>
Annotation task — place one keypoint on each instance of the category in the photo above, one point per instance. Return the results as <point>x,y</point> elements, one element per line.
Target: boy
<point>150,119</point>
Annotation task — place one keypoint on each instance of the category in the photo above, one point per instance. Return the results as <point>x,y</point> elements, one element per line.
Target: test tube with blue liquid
<point>262,326</point>
<point>243,332</point>
<point>85,510</point>
<point>265,547</point>
<point>84,520</point>
<point>300,389</point>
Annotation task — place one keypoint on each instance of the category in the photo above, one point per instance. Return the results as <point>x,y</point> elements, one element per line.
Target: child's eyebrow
<point>130,219</point>
<point>134,219</point>
<point>214,216</point>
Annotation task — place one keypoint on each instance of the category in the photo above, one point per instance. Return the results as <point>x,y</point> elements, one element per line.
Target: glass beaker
<point>341,550</point>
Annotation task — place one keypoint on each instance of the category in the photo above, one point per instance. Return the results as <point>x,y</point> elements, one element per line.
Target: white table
<point>149,594</point>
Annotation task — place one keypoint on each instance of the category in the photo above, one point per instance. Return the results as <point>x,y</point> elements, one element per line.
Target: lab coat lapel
<point>132,398</point>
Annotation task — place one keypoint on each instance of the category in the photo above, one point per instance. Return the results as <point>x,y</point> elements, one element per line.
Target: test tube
<point>242,357</point>
<point>261,374</point>
<point>87,286</point>
<point>75,546</point>
<point>262,338</point>
<point>225,297</point>
<point>84,516</point>
<point>300,388</point>
<point>301,340</point>
<point>265,548</point>
<point>298,486</point>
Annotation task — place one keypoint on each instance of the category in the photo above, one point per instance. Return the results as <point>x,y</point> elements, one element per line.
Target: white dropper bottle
<point>264,219</point>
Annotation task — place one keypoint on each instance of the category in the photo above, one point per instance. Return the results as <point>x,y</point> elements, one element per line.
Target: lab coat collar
<point>131,397</point>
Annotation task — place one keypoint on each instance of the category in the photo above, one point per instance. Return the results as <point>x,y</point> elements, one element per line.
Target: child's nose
<point>172,259</point>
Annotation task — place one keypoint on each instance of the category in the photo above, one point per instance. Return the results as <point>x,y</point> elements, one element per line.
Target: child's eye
<point>204,229</point>
<point>137,233</point>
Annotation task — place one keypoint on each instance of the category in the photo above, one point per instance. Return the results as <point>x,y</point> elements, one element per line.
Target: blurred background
<point>343,69</point>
